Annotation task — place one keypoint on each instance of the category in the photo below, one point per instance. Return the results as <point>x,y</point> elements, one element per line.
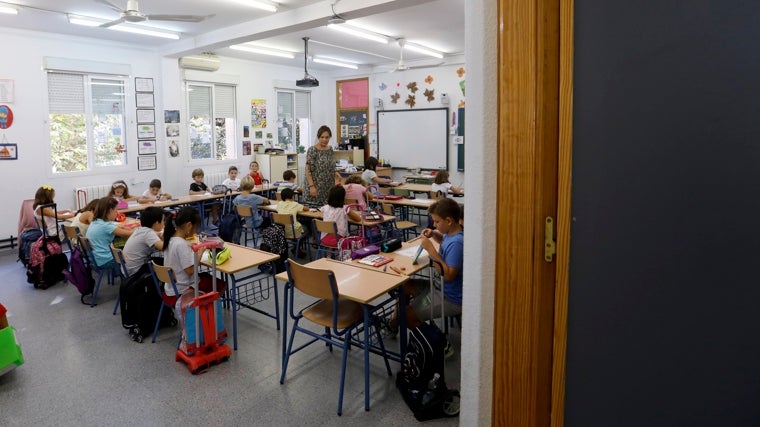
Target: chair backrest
<point>388,209</point>
<point>315,282</point>
<point>278,196</point>
<point>119,257</point>
<point>163,274</point>
<point>26,217</point>
<point>329,227</point>
<point>71,232</point>
<point>351,202</point>
<point>244,211</point>
<point>285,220</point>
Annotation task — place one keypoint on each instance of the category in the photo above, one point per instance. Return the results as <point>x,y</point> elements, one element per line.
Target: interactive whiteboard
<point>414,138</point>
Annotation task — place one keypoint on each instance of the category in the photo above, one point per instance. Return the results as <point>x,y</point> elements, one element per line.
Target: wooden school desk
<point>356,284</point>
<point>189,200</point>
<point>247,290</point>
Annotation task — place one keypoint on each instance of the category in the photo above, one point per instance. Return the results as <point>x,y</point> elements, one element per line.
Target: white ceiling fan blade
<point>109,4</point>
<point>112,23</point>
<point>181,18</point>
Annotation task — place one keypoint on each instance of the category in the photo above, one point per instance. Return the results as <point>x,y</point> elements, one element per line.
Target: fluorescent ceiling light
<point>269,7</point>
<point>336,63</point>
<point>423,50</point>
<point>9,10</point>
<point>369,35</point>
<point>263,51</point>
<point>89,22</point>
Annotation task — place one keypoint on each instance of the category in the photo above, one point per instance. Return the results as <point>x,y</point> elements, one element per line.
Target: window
<point>211,139</point>
<point>293,119</point>
<point>86,116</point>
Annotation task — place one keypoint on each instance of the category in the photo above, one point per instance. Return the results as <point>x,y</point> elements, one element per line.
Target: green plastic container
<point>10,351</point>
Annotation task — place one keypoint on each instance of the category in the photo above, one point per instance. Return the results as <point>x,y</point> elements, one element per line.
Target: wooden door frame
<point>535,124</point>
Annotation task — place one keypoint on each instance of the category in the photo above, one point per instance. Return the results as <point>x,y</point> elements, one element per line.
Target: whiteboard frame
<point>417,163</point>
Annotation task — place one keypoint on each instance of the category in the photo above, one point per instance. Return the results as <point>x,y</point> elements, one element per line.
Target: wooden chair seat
<point>321,313</point>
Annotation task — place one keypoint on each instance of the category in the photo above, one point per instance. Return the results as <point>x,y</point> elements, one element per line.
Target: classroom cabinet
<point>273,165</point>
<point>355,157</point>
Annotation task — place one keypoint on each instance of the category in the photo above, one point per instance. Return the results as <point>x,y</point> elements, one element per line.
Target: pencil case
<point>391,245</point>
<point>362,252</point>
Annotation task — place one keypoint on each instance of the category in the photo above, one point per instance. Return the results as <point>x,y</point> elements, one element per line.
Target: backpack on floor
<point>25,241</point>
<point>273,241</point>
<point>421,379</point>
<point>80,274</point>
<point>140,302</point>
<point>46,262</point>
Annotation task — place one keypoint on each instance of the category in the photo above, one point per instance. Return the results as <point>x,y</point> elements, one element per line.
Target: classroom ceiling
<point>438,24</point>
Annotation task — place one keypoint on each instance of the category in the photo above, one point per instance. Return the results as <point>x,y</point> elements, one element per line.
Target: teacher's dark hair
<point>322,129</point>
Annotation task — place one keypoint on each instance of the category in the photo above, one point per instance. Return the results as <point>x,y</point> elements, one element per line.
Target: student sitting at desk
<point>443,185</point>
<point>246,198</point>
<point>232,182</point>
<point>356,190</point>
<point>144,240</point>
<point>103,230</point>
<point>288,181</point>
<point>120,192</point>
<point>289,206</point>
<point>83,218</point>
<point>47,216</point>
<point>199,188</point>
<point>449,233</point>
<point>334,211</point>
<point>370,176</point>
<point>258,177</point>
<point>154,193</point>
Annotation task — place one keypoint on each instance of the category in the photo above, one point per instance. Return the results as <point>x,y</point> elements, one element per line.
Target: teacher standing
<point>320,168</point>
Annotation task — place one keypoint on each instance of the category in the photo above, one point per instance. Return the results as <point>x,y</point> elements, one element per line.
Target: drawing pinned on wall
<point>430,94</point>
<point>395,97</point>
<point>412,86</point>
<point>246,132</point>
<point>258,113</point>
<point>172,130</point>
<point>461,86</point>
<point>410,101</point>
<point>6,117</point>
<point>259,134</point>
<point>171,116</point>
<point>6,90</point>
<point>429,79</point>
<point>173,148</point>
<point>269,135</point>
<point>246,148</point>
<point>8,152</point>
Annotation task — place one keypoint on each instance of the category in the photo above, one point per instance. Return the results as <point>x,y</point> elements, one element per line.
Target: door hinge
<point>550,247</point>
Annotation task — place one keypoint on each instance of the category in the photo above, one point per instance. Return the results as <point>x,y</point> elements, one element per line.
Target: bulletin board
<point>414,138</point>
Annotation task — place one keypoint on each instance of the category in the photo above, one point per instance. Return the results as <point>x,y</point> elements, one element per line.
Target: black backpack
<point>273,241</point>
<point>140,302</point>
<point>421,379</point>
<point>229,226</point>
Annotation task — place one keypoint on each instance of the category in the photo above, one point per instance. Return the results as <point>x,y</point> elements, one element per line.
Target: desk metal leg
<point>234,312</point>
<point>285,321</point>
<point>366,356</point>
<point>402,323</point>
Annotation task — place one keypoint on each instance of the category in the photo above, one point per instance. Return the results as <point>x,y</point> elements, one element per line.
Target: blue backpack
<point>26,239</point>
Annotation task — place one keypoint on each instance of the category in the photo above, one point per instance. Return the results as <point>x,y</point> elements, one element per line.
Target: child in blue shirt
<point>246,198</point>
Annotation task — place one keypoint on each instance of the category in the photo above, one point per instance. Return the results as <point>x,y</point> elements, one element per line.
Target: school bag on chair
<point>229,226</point>
<point>273,241</point>
<point>140,303</point>
<point>46,258</point>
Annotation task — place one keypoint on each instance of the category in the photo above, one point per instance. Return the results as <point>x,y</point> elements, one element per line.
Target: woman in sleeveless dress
<point>320,169</point>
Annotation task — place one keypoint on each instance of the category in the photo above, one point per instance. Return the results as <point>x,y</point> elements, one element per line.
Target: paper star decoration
<point>395,97</point>
<point>412,86</point>
<point>429,79</point>
<point>410,101</point>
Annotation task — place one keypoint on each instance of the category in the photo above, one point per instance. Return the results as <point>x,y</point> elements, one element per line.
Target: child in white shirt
<point>233,182</point>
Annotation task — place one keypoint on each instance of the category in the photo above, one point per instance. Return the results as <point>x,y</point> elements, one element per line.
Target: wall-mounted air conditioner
<point>203,62</point>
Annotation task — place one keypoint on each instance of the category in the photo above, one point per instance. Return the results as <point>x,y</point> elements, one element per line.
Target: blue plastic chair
<point>111,269</point>
<point>339,317</point>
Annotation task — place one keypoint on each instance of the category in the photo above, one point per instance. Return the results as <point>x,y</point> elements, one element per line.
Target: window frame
<point>306,140</point>
<point>92,168</point>
<point>230,141</point>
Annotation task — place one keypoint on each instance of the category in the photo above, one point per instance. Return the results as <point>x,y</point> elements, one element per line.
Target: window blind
<point>66,93</point>
<point>303,106</point>
<point>199,101</point>
<point>224,101</point>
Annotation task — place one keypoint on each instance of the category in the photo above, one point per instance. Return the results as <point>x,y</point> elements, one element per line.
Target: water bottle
<point>432,387</point>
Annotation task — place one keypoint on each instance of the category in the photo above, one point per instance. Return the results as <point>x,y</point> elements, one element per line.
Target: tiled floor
<point>82,369</point>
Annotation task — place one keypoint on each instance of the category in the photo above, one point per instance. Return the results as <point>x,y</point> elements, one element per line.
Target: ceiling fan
<point>401,66</point>
<point>132,14</point>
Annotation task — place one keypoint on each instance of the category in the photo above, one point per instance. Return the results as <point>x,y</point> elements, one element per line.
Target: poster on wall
<point>6,90</point>
<point>8,152</point>
<point>173,148</point>
<point>258,113</point>
<point>246,148</point>
<point>6,117</point>
<point>146,163</point>
<point>171,116</point>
